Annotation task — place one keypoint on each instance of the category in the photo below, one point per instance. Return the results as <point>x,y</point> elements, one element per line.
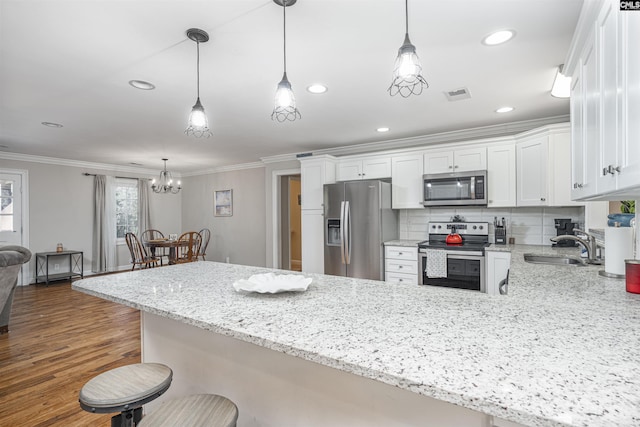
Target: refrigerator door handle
<point>347,232</point>
<point>342,236</point>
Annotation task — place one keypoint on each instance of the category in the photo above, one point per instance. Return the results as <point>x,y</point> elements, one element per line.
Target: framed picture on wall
<point>223,203</point>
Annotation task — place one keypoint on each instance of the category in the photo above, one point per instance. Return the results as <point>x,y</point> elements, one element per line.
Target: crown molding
<point>230,168</point>
<point>77,164</point>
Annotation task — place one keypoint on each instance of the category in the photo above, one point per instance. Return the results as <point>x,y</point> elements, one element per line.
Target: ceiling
<point>70,62</point>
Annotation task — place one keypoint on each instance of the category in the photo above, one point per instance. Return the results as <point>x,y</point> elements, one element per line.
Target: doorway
<point>14,212</point>
<point>290,235</point>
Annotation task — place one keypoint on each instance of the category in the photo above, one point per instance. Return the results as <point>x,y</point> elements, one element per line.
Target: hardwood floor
<point>58,339</point>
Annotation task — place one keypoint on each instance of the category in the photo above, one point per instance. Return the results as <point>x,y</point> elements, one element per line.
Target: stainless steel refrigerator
<point>358,219</point>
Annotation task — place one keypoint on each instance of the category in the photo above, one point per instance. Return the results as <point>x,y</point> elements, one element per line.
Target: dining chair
<point>188,247</point>
<point>139,255</point>
<point>152,234</point>
<point>205,233</point>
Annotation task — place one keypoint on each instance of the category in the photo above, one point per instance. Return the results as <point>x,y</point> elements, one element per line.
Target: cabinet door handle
<point>399,267</point>
<point>542,199</point>
<point>450,167</point>
<point>456,166</point>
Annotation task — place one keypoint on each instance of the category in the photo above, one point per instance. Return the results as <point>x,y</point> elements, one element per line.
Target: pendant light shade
<point>198,124</point>
<point>407,73</point>
<point>285,108</point>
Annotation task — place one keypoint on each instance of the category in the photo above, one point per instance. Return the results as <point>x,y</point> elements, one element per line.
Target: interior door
<point>364,229</point>
<point>10,209</point>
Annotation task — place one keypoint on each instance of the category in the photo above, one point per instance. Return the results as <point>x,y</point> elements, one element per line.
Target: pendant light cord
<point>406,16</point>
<point>284,31</point>
<point>198,67</point>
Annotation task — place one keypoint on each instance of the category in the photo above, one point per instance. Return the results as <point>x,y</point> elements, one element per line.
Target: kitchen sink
<point>553,259</point>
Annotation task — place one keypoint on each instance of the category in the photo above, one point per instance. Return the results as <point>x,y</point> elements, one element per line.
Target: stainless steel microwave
<point>455,189</point>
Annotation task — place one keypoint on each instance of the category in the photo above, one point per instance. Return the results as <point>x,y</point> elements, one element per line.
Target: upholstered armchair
<point>11,259</point>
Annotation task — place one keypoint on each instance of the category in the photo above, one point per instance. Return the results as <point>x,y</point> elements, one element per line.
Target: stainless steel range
<point>454,265</point>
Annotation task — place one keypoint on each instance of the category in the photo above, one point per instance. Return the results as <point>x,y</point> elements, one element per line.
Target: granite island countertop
<point>562,349</point>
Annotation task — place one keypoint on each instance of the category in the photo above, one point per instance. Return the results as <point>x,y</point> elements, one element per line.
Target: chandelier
<point>198,124</point>
<point>165,184</point>
<point>407,74</point>
<point>285,102</point>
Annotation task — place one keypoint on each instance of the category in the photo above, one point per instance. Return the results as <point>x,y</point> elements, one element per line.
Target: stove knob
<point>481,227</point>
<point>439,226</point>
<point>433,226</point>
<point>474,227</point>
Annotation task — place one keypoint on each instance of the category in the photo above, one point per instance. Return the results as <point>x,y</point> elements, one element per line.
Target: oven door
<point>465,270</point>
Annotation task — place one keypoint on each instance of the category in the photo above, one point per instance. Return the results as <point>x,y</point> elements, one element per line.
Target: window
<point>6,205</point>
<point>126,207</point>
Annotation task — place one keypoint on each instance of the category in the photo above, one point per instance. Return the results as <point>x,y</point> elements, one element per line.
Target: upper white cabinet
<point>501,176</point>
<point>532,163</point>
<point>315,172</point>
<point>366,168</point>
<point>406,181</point>
<point>605,103</point>
<point>543,161</point>
<point>461,160</point>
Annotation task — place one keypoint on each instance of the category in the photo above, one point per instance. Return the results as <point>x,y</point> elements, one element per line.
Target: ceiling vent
<point>458,94</point>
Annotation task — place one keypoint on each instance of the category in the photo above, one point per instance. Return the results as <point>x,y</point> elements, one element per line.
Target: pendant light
<point>407,74</point>
<point>165,183</point>
<point>198,124</point>
<point>285,102</point>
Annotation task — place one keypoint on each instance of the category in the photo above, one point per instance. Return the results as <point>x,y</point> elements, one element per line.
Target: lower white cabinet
<point>401,264</point>
<point>497,270</point>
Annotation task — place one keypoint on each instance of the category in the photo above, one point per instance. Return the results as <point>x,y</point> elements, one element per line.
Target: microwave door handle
<point>472,188</point>
<point>347,232</point>
<point>342,225</point>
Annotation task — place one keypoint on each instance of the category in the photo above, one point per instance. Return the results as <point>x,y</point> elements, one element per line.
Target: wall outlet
<point>56,267</point>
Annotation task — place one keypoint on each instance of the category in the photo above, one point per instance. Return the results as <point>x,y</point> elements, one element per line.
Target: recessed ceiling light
<point>141,84</point>
<point>504,109</point>
<point>317,88</point>
<point>383,129</point>
<point>498,37</point>
<point>52,125</point>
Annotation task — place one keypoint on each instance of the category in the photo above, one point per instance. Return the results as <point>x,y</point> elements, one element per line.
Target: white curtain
<point>144,217</point>
<point>104,225</point>
<point>110,223</point>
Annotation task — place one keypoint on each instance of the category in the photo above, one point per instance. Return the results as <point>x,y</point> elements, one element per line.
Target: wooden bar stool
<point>125,390</point>
<point>197,410</point>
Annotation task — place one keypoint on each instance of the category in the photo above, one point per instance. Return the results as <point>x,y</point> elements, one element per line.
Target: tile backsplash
<point>528,226</point>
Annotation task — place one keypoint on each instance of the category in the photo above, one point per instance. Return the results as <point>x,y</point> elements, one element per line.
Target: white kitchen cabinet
<point>460,160</point>
<point>501,176</point>
<point>368,168</point>
<point>406,181</point>
<point>532,164</point>
<point>604,64</point>
<point>544,167</point>
<point>401,264</point>
<point>312,241</point>
<point>497,266</point>
<point>315,172</point>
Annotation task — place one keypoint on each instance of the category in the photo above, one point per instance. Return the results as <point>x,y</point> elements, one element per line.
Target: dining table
<point>172,244</point>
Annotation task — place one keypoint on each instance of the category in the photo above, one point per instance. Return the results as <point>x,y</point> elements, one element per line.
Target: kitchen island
<point>562,349</point>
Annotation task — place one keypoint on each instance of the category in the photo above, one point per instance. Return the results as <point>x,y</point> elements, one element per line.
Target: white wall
<point>529,226</point>
<point>240,237</point>
<point>61,209</point>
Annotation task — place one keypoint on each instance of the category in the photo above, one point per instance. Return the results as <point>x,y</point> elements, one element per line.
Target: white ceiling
<point>69,62</point>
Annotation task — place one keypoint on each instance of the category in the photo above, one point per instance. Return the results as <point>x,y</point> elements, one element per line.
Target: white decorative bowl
<point>270,283</point>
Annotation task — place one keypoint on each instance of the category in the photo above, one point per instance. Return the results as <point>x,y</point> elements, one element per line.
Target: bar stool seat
<point>125,390</point>
<point>197,410</point>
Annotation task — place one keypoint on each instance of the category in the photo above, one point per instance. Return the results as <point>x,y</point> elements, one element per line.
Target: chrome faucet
<point>589,243</point>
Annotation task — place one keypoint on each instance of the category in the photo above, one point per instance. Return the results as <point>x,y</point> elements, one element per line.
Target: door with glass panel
<point>10,209</point>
